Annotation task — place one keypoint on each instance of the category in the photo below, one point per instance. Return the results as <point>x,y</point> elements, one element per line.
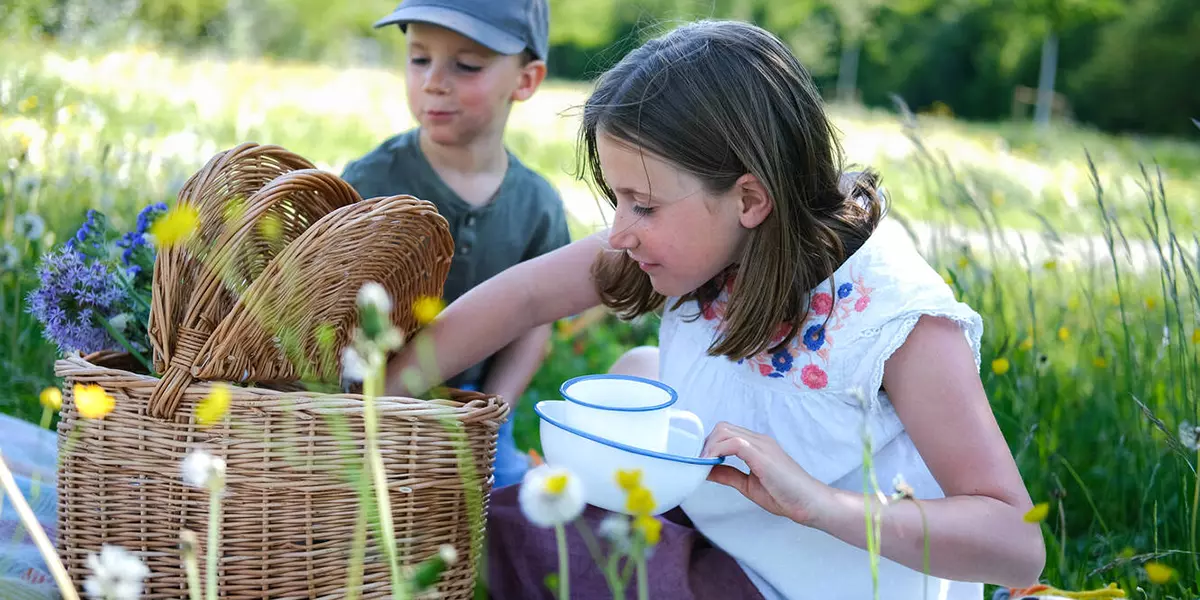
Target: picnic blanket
<point>30,453</point>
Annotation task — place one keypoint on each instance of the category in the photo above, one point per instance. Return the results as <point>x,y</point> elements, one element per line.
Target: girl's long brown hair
<point>721,99</point>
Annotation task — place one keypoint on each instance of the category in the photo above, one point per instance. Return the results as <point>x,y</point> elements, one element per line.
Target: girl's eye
<point>418,60</point>
<point>642,210</point>
<point>469,68</point>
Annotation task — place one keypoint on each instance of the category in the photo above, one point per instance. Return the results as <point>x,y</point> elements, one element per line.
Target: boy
<point>468,61</point>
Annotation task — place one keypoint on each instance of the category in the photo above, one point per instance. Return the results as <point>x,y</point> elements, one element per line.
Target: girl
<point>791,323</point>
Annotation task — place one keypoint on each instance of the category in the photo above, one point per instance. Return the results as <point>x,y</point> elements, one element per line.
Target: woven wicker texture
<point>289,513</point>
<point>400,242</point>
<point>254,231</point>
<point>222,184</point>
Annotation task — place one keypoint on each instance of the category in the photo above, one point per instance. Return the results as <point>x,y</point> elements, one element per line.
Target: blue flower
<point>146,218</point>
<point>782,361</point>
<point>73,295</point>
<point>845,289</point>
<point>814,338</point>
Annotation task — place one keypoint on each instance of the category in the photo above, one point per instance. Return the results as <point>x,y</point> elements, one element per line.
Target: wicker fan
<point>400,242</point>
<point>235,173</point>
<point>256,230</point>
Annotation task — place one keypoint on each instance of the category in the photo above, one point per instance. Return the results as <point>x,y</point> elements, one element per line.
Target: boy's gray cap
<point>506,26</point>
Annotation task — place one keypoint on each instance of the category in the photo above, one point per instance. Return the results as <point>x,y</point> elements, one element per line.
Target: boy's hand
<point>775,482</point>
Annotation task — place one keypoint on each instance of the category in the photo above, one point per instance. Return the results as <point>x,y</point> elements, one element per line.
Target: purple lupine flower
<point>74,293</point>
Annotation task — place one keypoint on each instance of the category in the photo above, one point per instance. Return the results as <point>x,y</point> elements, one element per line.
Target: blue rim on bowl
<point>537,408</point>
<point>562,389</point>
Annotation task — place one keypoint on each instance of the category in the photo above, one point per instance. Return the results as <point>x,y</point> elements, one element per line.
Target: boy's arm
<point>514,366</point>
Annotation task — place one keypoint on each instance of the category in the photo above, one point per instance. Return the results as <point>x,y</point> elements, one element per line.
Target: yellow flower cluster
<point>640,503</point>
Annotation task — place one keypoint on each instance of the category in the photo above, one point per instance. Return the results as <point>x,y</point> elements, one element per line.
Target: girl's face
<point>678,232</point>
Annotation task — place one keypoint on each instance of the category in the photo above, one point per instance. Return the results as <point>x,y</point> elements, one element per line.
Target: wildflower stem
<point>29,522</point>
<point>643,577</point>
<point>372,388</point>
<point>1195,513</point>
<point>358,548</point>
<point>190,566</point>
<point>124,341</point>
<point>214,533</point>
<point>564,579</point>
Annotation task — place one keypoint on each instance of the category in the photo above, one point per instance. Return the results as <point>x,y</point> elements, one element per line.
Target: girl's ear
<point>755,201</point>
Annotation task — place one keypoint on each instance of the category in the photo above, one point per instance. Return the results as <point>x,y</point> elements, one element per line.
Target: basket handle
<point>168,392</point>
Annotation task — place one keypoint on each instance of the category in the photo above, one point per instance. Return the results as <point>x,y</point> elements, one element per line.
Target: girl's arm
<point>491,315</point>
<point>515,365</point>
<point>976,533</point>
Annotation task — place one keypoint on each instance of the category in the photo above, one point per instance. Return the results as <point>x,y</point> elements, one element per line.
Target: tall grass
<point>1079,250</point>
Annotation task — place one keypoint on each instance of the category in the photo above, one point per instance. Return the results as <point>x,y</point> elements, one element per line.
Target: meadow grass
<point>1091,358</point>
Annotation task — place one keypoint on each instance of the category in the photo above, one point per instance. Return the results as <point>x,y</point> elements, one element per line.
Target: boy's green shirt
<point>523,220</point>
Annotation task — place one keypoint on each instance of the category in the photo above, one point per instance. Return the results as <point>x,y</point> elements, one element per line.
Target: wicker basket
<point>288,516</point>
<point>219,310</point>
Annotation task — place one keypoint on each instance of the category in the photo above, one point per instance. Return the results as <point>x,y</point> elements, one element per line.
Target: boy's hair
<point>721,99</point>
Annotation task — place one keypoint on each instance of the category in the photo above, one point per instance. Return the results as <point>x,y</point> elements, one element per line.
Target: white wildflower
<point>354,368</point>
<point>901,489</point>
<point>117,574</point>
<point>373,294</point>
<point>9,257</point>
<point>120,322</point>
<point>30,226</point>
<point>615,528</point>
<point>1189,435</point>
<point>551,496</point>
<point>202,469</point>
<point>448,554</point>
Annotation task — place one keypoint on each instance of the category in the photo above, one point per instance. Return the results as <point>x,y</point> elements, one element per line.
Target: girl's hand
<point>776,482</point>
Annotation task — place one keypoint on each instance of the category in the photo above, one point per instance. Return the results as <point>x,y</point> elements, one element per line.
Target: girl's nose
<point>621,236</point>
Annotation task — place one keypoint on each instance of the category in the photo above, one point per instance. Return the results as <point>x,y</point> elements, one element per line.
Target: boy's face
<point>459,90</point>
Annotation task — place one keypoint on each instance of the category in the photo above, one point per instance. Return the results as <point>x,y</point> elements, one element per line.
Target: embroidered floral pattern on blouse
<point>805,360</point>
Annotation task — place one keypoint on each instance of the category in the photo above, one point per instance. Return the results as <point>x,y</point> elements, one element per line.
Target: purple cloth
<point>684,565</point>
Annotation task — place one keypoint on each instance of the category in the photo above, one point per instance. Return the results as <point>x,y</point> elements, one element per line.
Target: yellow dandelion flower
<point>948,279</point>
<point>51,397</point>
<point>270,228</point>
<point>1038,513</point>
<point>427,308</point>
<point>1099,362</point>
<point>176,226</point>
<point>1196,335</point>
<point>1000,366</point>
<point>93,402</point>
<point>1159,573</point>
<point>629,480</point>
<point>640,501</point>
<point>1050,265</point>
<point>213,408</point>
<point>649,527</point>
<point>1064,334</point>
<point>28,104</point>
<point>963,262</point>
<point>1151,302</point>
<point>1027,344</point>
<point>556,484</point>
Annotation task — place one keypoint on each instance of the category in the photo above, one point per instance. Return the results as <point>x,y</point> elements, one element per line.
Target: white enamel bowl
<point>670,476</point>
